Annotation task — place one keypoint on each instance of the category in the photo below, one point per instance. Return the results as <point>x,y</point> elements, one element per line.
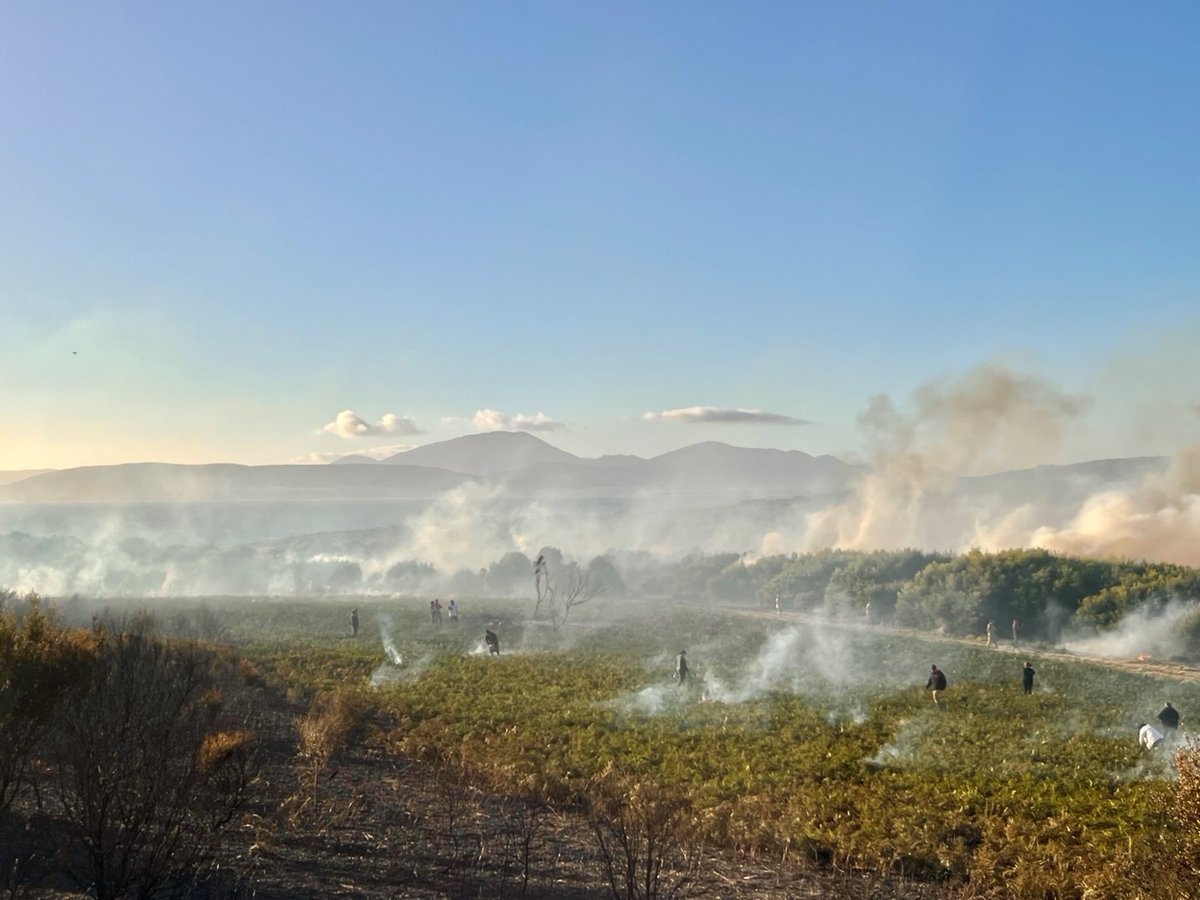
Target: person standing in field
<point>1016,628</point>
<point>493,642</point>
<point>354,622</point>
<point>453,610</point>
<point>936,684</point>
<point>681,667</point>
<point>1027,677</point>
<point>991,634</point>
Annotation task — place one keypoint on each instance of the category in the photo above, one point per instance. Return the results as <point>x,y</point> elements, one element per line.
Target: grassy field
<point>792,739</point>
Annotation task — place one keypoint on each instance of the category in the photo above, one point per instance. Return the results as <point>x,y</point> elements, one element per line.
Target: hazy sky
<point>224,224</point>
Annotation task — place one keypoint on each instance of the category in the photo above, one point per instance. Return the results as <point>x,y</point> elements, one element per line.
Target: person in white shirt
<point>1149,736</point>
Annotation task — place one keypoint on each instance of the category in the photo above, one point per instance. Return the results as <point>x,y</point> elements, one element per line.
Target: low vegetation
<point>797,741</point>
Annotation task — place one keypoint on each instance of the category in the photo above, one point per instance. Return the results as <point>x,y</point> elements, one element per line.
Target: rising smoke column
<point>986,420</point>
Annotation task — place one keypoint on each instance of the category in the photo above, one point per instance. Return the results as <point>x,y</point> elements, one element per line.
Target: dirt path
<point>1149,666</point>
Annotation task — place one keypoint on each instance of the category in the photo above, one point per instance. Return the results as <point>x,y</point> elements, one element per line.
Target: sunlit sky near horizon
<point>625,227</point>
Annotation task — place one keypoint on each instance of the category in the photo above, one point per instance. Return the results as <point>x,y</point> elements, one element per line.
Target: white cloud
<point>692,415</point>
<point>493,420</point>
<point>350,424</point>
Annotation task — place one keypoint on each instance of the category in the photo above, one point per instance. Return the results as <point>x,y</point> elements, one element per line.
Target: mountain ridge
<point>526,465</point>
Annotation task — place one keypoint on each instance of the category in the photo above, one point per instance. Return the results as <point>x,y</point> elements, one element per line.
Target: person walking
<point>681,667</point>
<point>493,642</point>
<point>936,684</point>
<point>1027,677</point>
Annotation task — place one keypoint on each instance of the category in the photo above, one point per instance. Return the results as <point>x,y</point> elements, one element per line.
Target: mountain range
<point>524,465</point>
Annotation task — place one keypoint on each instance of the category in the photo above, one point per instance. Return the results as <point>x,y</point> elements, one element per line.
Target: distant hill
<point>143,482</point>
<point>354,459</point>
<point>490,453</point>
<point>719,464</point>
<point>710,468</point>
<point>20,475</point>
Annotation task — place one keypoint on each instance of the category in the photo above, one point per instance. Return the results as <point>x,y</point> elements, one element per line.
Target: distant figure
<point>437,611</point>
<point>1027,677</point>
<point>867,613</point>
<point>354,622</point>
<point>936,684</point>
<point>453,610</point>
<point>991,634</point>
<point>681,667</point>
<point>1169,717</point>
<point>1016,628</point>
<point>778,609</point>
<point>1149,736</point>
<point>432,612</point>
<point>493,642</point>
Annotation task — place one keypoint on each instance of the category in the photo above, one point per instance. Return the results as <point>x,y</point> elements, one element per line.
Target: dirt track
<point>1159,669</point>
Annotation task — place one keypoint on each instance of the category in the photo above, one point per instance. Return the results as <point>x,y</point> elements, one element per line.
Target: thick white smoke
<point>1158,519</point>
<point>1151,630</point>
<point>987,420</point>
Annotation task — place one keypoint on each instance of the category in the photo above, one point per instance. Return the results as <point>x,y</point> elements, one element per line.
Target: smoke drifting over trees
<point>947,472</point>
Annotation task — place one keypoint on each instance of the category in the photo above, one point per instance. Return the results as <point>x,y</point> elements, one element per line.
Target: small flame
<point>1144,657</point>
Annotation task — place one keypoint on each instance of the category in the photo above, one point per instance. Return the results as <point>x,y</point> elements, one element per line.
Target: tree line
<point>954,594</point>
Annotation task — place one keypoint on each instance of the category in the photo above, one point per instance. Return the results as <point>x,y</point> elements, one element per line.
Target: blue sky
<point>221,225</point>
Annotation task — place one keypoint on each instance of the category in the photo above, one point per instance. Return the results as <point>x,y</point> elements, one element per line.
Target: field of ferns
<point>793,740</point>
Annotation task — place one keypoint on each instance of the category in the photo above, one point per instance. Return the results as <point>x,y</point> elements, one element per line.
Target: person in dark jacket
<point>936,684</point>
<point>1169,718</point>
<point>492,642</point>
<point>1027,677</point>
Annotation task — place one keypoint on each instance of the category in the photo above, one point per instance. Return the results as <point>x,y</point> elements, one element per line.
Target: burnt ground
<point>387,826</point>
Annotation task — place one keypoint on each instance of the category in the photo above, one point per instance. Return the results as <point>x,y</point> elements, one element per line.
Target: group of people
<point>991,633</point>
<point>435,612</point>
<point>435,615</point>
<point>1150,737</point>
<point>936,683</point>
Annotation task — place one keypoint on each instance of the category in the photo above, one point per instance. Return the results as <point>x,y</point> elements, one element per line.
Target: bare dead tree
<point>582,587</point>
<point>544,585</point>
<point>579,586</point>
<point>641,832</point>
